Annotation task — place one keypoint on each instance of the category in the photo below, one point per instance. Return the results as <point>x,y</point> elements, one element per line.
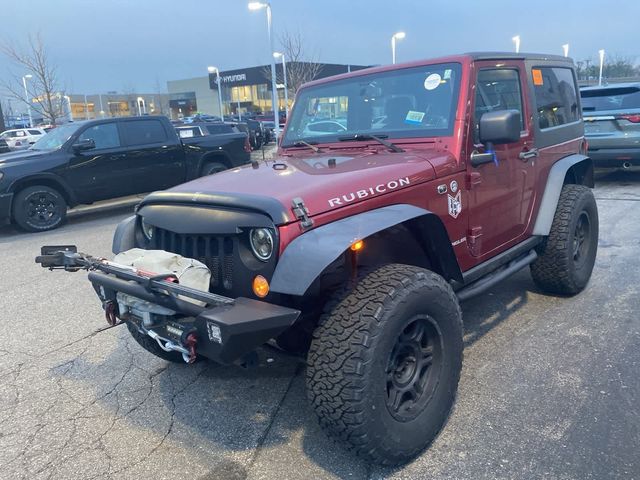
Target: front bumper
<point>5,208</point>
<point>225,331</point>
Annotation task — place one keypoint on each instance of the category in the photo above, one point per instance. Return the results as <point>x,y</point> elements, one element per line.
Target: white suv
<point>22,138</point>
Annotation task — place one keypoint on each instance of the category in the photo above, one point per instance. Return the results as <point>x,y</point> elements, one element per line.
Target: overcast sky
<point>102,45</point>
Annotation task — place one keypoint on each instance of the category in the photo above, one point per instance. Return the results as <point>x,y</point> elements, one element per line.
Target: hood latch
<point>302,213</point>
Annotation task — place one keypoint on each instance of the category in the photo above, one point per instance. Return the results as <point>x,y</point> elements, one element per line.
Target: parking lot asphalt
<point>550,386</point>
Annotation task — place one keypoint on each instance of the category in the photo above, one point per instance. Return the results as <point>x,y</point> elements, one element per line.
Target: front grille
<point>215,251</point>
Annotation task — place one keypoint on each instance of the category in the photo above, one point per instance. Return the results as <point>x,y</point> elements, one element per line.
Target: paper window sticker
<point>537,76</point>
<point>414,117</point>
<point>447,74</point>
<point>432,81</point>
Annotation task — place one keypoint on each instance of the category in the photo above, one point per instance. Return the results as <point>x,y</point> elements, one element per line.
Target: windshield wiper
<point>302,143</point>
<point>366,136</point>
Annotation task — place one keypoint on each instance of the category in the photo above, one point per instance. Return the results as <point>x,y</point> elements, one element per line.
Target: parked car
<point>4,146</point>
<point>22,138</point>
<point>356,248</point>
<point>94,160</point>
<point>324,127</point>
<point>268,128</point>
<point>612,124</point>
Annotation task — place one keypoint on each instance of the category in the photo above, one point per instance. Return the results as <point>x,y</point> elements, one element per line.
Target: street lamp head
<point>211,69</point>
<point>516,38</point>
<point>28,75</point>
<point>601,53</point>
<point>278,54</point>
<point>399,35</point>
<point>256,5</point>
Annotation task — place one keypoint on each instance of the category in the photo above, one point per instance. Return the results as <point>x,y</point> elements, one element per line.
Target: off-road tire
<point>212,167</point>
<point>565,261</point>
<point>39,208</point>
<point>151,346</point>
<point>354,349</point>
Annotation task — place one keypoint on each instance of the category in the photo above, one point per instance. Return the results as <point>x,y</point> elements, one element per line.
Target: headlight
<point>147,230</point>
<point>261,240</point>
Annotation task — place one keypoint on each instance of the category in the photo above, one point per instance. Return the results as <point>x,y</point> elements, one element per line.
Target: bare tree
<point>44,91</point>
<point>302,64</point>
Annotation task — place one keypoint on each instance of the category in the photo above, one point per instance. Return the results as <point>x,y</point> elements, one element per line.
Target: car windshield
<point>411,102</point>
<point>56,137</point>
<point>618,98</point>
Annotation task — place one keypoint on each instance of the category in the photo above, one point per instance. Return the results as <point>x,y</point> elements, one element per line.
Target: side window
<point>497,89</point>
<point>143,132</point>
<point>189,132</point>
<point>34,132</point>
<point>21,133</point>
<point>105,135</point>
<point>556,97</point>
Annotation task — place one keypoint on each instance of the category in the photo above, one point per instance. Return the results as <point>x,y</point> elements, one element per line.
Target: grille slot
<point>216,252</point>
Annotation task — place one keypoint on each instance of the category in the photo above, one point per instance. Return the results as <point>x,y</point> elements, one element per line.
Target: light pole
<point>601,53</point>
<point>396,36</point>
<point>211,70</point>
<point>516,41</point>
<point>274,92</point>
<point>26,97</point>
<point>284,74</point>
<point>86,108</point>
<point>68,99</point>
<point>565,49</point>
<point>101,109</point>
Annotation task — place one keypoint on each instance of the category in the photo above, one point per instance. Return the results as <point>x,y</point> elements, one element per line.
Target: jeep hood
<point>324,181</point>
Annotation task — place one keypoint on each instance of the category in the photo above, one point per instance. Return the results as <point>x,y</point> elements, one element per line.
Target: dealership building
<point>244,89</point>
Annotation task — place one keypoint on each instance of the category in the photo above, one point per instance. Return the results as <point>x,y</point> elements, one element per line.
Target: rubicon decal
<point>369,191</point>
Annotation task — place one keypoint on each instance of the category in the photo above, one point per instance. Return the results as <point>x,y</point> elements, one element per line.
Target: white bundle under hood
<point>190,272</point>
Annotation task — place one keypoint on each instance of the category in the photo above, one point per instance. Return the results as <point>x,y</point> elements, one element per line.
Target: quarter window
<point>105,135</point>
<point>497,89</point>
<point>556,97</point>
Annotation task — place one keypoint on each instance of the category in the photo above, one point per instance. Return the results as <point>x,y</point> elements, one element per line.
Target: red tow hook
<point>190,343</point>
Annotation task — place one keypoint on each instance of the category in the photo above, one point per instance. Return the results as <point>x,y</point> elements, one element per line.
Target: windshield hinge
<point>302,213</point>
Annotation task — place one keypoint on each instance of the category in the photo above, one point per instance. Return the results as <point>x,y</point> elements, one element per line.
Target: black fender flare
<point>49,178</point>
<point>307,256</point>
<point>551,195</point>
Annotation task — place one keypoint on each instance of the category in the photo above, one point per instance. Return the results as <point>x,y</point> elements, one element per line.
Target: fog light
<point>260,286</point>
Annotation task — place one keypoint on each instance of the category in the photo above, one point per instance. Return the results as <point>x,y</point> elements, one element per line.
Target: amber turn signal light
<point>260,286</point>
<point>357,246</point>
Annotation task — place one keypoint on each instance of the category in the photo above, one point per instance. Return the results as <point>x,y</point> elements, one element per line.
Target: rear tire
<point>385,361</point>
<point>211,168</point>
<point>39,208</point>
<point>567,255</point>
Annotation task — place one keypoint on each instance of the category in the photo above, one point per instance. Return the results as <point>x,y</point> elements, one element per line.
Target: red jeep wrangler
<point>398,192</point>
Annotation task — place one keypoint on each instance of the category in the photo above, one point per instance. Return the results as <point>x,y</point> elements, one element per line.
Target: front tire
<point>567,255</point>
<point>39,208</point>
<point>211,168</point>
<point>385,361</point>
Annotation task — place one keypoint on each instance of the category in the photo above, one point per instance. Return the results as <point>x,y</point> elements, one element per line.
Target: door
<point>501,193</point>
<point>99,173</point>
<point>155,158</point>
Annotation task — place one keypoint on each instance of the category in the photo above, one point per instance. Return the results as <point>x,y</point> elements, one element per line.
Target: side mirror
<point>84,145</point>
<point>501,126</point>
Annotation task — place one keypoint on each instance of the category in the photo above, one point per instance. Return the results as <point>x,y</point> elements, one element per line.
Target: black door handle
<point>527,154</point>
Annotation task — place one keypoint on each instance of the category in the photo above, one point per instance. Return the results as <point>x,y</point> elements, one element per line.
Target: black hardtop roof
<point>518,56</point>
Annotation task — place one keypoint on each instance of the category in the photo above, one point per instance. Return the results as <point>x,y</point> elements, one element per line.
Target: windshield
<point>56,137</point>
<point>412,102</point>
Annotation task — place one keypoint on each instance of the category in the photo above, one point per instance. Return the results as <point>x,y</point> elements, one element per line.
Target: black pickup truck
<point>84,162</point>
